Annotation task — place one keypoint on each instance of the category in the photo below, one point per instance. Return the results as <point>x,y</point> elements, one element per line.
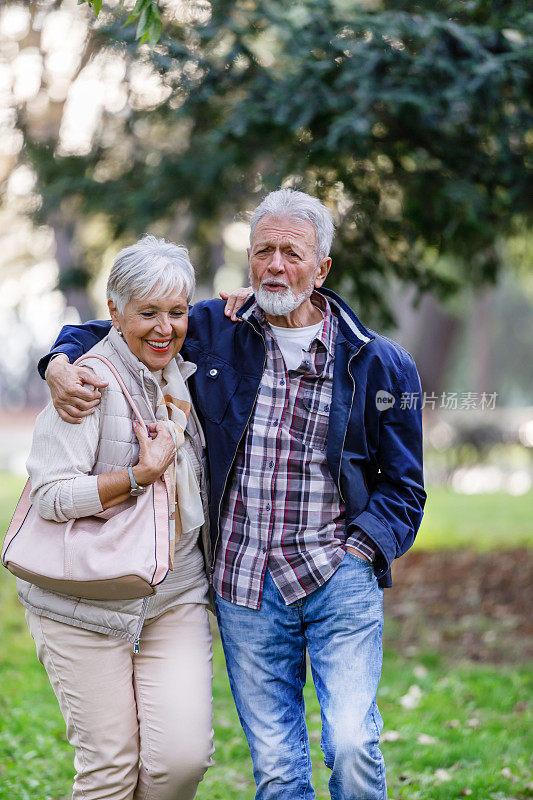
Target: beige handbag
<point>120,553</point>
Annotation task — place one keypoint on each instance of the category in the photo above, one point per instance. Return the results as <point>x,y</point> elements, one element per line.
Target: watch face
<point>137,492</point>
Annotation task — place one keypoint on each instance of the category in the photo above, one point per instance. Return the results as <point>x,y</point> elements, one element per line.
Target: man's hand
<point>72,389</point>
<point>358,553</point>
<point>235,300</point>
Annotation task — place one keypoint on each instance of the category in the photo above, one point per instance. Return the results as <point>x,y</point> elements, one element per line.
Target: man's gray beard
<point>279,304</point>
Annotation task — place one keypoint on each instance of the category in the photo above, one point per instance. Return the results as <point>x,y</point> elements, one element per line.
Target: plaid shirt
<point>282,508</point>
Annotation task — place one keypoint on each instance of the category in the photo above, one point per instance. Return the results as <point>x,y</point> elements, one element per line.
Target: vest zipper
<point>235,453</point>
<point>137,642</point>
<point>144,375</point>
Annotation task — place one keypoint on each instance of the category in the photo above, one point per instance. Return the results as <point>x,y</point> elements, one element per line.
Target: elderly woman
<point>132,677</point>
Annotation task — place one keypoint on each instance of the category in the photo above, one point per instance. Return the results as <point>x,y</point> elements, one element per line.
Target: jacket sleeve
<point>394,511</point>
<point>75,340</point>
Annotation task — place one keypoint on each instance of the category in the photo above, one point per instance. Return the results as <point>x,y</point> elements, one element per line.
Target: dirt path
<point>475,606</point>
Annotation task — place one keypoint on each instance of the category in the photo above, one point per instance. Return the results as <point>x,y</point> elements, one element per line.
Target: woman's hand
<point>156,453</point>
<point>235,300</point>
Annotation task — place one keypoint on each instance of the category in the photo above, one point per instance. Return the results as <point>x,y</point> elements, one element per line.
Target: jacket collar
<point>352,328</point>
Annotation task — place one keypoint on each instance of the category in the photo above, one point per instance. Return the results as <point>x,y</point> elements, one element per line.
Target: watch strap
<point>133,482</point>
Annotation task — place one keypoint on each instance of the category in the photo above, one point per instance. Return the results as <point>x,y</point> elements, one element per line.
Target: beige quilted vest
<point>117,448</point>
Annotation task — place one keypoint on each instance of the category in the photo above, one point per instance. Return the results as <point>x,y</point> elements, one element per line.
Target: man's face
<point>283,263</point>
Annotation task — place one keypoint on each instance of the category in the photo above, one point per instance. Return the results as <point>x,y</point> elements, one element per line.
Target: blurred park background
<point>413,122</point>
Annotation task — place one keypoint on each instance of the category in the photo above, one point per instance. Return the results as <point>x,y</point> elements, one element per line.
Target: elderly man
<point>316,486</point>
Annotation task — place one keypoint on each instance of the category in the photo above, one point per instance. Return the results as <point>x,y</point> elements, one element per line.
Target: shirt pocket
<point>311,421</point>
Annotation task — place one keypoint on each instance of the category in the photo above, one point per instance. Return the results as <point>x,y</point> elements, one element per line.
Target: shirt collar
<point>326,334</point>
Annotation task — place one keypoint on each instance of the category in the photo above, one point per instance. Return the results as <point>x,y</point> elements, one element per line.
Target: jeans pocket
<point>359,559</point>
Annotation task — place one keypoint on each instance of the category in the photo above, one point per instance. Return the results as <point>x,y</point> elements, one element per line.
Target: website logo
<point>384,400</point>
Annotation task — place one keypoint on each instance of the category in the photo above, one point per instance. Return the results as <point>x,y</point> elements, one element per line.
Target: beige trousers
<point>155,706</point>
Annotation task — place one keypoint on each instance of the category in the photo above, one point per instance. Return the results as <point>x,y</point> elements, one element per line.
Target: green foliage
<point>148,17</point>
<point>413,124</point>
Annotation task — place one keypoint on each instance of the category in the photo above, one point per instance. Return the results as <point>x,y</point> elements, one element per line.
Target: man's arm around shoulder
<point>75,391</point>
<point>75,340</point>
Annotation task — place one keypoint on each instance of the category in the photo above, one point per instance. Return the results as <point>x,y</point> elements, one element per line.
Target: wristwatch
<point>135,490</point>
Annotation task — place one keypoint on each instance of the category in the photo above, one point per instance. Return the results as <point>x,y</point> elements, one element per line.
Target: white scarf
<point>173,408</point>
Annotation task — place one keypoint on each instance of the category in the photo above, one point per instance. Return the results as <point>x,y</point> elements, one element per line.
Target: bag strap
<point>121,383</point>
<point>129,398</point>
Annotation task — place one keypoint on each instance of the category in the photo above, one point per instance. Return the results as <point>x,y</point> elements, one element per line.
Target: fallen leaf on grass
<point>465,792</point>
<point>442,775</point>
<point>425,738</point>
<point>452,723</point>
<point>473,722</point>
<point>391,736</point>
<point>412,698</point>
<point>506,772</point>
<point>420,672</point>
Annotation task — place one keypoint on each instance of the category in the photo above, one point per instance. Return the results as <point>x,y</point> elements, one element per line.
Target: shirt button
<point>213,372</point>
<point>270,464</point>
<point>268,506</point>
<point>275,422</point>
<point>282,382</point>
<point>263,549</point>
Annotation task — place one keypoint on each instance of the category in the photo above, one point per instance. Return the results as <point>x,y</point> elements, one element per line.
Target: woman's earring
<point>120,332</point>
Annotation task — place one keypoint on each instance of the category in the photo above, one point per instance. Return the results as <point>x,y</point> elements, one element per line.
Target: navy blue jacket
<point>374,448</point>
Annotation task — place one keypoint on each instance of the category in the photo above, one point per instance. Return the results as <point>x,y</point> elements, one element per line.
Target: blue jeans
<point>340,624</point>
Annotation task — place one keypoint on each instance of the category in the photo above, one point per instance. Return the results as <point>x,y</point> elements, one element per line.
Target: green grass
<point>474,714</point>
<point>481,522</point>
<point>10,488</point>
<point>477,716</point>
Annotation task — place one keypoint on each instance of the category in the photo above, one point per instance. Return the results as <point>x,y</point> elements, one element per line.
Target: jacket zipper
<point>137,642</point>
<point>349,415</point>
<point>214,550</point>
<point>199,453</point>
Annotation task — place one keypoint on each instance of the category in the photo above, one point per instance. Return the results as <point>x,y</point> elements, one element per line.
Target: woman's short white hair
<point>150,266</point>
<point>290,203</point>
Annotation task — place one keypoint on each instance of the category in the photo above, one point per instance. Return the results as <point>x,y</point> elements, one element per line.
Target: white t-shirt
<point>294,342</point>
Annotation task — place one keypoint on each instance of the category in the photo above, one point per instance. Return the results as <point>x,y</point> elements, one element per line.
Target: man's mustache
<point>274,283</point>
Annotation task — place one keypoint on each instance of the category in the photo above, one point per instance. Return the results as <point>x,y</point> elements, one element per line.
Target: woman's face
<point>154,328</point>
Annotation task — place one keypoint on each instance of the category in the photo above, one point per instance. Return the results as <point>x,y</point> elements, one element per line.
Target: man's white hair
<point>299,205</point>
<point>150,266</point>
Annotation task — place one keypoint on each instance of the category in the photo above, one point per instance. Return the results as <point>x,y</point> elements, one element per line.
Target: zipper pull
<point>136,646</point>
